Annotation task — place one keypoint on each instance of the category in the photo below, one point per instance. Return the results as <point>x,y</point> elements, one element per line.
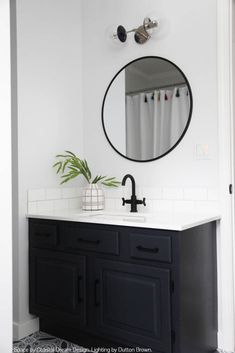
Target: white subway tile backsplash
<point>32,207</point>
<point>110,204</point>
<point>113,193</point>
<point>152,193</point>
<point>149,208</point>
<point>53,194</point>
<point>118,205</point>
<point>36,194</point>
<point>139,193</point>
<point>126,191</point>
<point>68,193</point>
<point>212,194</point>
<point>80,190</point>
<point>60,204</point>
<point>183,206</point>
<point>157,199</point>
<point>162,205</point>
<point>206,206</point>
<point>173,193</point>
<point>43,206</point>
<point>195,194</point>
<point>75,203</point>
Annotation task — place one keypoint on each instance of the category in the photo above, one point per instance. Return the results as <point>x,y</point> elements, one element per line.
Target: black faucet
<point>133,200</point>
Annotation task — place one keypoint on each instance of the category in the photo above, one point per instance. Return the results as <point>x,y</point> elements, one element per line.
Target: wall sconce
<point>141,33</point>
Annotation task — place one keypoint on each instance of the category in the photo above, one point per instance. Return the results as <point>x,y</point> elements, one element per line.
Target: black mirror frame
<point>189,118</point>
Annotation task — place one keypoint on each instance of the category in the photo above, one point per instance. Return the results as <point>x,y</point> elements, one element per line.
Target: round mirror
<point>147,109</point>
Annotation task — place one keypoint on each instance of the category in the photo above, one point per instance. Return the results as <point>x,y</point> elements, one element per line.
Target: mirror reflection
<point>147,109</point>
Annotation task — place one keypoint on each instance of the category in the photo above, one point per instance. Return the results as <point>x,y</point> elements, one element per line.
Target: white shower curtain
<point>155,121</point>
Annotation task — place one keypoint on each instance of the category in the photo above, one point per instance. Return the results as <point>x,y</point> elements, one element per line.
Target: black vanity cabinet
<point>114,286</point>
<point>134,303</point>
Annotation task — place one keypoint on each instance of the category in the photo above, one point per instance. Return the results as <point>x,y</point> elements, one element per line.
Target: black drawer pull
<point>97,302</point>
<point>80,299</point>
<point>142,248</point>
<point>96,242</point>
<point>45,235</point>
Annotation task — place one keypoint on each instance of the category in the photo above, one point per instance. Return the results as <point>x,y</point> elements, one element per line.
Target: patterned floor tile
<point>41,342</point>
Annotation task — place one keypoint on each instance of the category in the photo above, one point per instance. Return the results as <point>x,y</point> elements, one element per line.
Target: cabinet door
<point>133,304</point>
<point>58,286</point>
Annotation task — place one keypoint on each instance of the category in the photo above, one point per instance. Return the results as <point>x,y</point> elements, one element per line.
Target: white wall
<point>115,119</point>
<point>49,45</point>
<point>5,185</point>
<point>187,36</point>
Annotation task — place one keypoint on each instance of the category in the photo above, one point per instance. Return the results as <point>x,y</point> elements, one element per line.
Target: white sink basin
<point>125,217</point>
<point>120,217</point>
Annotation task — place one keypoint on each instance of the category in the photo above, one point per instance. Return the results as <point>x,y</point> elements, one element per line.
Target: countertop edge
<point>181,226</point>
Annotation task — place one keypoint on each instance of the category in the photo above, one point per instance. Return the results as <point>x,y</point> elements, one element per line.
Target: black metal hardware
<point>96,242</point>
<point>123,201</point>
<point>97,302</point>
<point>141,202</point>
<point>46,235</point>
<point>142,248</point>
<point>80,299</point>
<point>230,188</point>
<point>121,34</point>
<point>133,200</point>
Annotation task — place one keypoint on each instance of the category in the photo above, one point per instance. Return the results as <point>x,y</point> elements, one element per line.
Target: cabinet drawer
<point>103,241</point>
<point>150,247</point>
<point>43,235</point>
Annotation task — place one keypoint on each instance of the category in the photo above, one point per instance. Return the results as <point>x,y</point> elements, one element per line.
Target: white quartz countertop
<point>177,221</point>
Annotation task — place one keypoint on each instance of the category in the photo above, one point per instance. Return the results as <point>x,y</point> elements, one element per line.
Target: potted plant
<point>71,166</point>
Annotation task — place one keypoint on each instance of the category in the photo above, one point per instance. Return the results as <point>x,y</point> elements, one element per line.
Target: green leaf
<point>65,164</point>
<point>69,178</point>
<point>59,164</point>
<point>74,169</point>
<point>65,181</point>
<point>54,165</point>
<point>97,179</point>
<point>109,179</point>
<point>71,153</point>
<point>88,169</point>
<point>61,156</point>
<point>111,182</point>
<point>70,166</point>
<point>66,175</point>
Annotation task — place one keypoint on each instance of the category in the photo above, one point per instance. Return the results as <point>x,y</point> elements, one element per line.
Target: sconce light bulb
<point>142,33</point>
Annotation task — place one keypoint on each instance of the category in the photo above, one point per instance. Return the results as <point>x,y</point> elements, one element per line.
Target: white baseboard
<point>21,330</point>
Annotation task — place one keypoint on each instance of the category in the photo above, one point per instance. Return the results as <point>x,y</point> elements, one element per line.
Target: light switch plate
<point>203,151</point>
